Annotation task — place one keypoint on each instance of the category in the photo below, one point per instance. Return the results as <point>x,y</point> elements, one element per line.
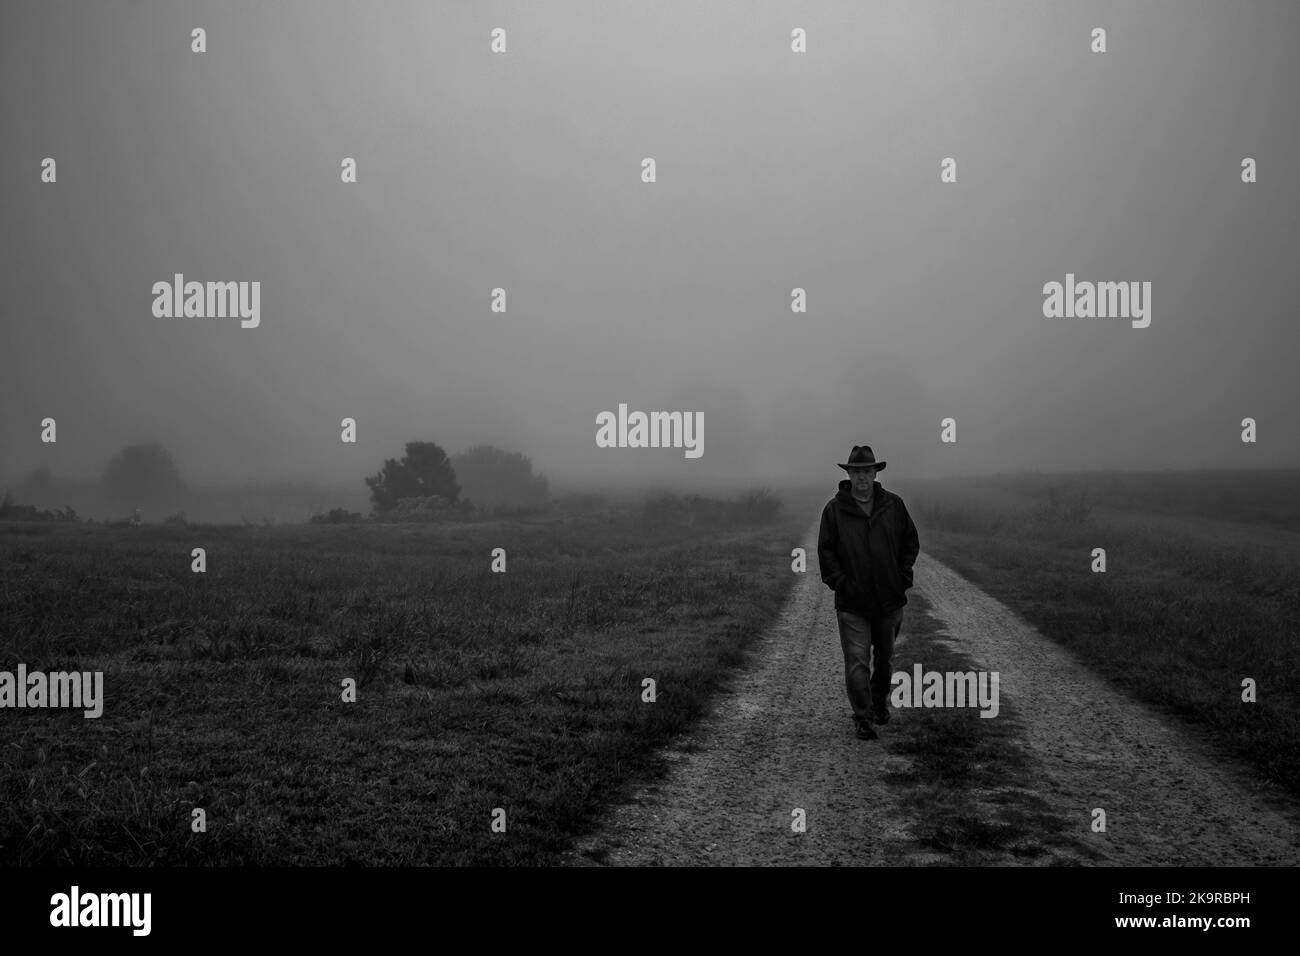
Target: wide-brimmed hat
<point>862,457</point>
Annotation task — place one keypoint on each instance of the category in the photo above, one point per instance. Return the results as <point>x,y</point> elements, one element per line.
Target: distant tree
<point>497,479</point>
<point>144,475</point>
<point>423,471</point>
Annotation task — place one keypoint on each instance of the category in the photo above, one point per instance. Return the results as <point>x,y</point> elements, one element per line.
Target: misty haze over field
<point>523,171</point>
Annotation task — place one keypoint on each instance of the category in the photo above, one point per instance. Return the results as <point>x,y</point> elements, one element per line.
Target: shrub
<point>143,473</point>
<point>12,512</point>
<point>337,516</point>
<point>500,481</point>
<point>429,508</point>
<point>424,471</point>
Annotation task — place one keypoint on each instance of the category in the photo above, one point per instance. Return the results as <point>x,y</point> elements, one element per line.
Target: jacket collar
<point>880,498</point>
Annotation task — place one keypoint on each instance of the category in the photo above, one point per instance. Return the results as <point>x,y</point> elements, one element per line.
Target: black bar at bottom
<point>916,905</point>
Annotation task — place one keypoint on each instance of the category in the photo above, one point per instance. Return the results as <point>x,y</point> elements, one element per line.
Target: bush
<point>429,508</point>
<point>338,516</point>
<point>143,473</point>
<point>500,481</point>
<point>12,512</point>
<point>423,472</point>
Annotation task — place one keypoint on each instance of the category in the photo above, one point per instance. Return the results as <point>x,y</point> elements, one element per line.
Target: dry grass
<point>477,690</point>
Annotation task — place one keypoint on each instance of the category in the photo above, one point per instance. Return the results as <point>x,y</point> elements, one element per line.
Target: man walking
<point>866,547</point>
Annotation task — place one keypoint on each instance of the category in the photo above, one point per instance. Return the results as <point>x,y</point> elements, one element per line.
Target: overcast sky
<point>775,170</point>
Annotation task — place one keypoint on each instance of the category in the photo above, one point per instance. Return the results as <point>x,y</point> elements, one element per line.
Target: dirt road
<point>781,741</point>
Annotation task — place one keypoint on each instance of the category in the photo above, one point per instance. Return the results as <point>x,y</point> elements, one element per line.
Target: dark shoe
<point>866,731</point>
<point>882,716</point>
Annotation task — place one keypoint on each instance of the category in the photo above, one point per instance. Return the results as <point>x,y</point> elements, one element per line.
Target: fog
<point>523,171</point>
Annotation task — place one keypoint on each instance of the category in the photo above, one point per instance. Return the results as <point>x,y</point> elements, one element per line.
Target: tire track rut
<point>781,738</point>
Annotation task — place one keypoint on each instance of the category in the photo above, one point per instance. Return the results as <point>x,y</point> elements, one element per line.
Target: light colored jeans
<point>868,686</point>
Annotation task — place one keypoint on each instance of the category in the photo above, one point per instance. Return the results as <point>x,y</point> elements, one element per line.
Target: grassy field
<point>478,690</point>
<point>1201,589</point>
<point>523,690</point>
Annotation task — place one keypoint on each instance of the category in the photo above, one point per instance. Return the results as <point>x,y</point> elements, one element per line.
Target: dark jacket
<point>867,562</point>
